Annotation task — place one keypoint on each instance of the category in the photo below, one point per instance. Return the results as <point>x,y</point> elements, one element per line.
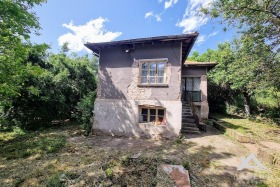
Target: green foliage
<point>186,165</point>
<point>85,111</point>
<point>257,19</point>
<point>54,181</point>
<point>16,25</point>
<point>245,67</point>
<point>109,172</point>
<point>53,89</point>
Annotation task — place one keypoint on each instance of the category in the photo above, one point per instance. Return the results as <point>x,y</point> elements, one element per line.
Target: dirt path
<point>216,159</point>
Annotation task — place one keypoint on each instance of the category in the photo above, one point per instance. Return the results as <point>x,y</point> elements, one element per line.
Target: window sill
<point>152,85</point>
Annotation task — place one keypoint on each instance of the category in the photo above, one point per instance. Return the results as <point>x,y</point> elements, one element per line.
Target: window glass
<point>144,111</point>
<point>153,69</point>
<point>152,118</point>
<point>144,115</point>
<point>196,84</point>
<point>144,72</point>
<point>160,80</point>
<point>145,66</point>
<point>144,79</point>
<point>144,118</point>
<point>189,84</point>
<point>153,115</point>
<point>152,80</point>
<point>152,73</point>
<point>160,112</point>
<point>153,111</point>
<point>160,69</point>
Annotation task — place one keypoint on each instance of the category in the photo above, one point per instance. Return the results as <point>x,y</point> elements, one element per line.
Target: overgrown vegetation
<point>244,76</point>
<point>37,88</point>
<point>249,66</point>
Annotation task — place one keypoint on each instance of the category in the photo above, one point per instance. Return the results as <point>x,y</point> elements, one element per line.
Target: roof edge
<point>147,39</point>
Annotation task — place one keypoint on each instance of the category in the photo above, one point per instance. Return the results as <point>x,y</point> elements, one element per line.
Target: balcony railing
<point>192,96</point>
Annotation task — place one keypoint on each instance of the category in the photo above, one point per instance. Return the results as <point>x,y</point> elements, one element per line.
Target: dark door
<point>191,89</point>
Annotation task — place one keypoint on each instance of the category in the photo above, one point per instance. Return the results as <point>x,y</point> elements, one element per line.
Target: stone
<point>136,156</point>
<point>177,173</point>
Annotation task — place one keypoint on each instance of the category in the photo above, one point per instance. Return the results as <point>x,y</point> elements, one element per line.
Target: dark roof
<point>194,63</point>
<point>186,39</point>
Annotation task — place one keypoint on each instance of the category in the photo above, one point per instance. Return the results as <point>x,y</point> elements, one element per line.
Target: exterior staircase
<point>188,120</point>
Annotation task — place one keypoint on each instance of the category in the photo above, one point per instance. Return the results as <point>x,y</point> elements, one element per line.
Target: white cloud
<point>151,14</point>
<point>160,1</point>
<point>158,17</point>
<point>92,31</point>
<point>168,4</point>
<point>193,19</point>
<point>213,34</point>
<point>200,39</point>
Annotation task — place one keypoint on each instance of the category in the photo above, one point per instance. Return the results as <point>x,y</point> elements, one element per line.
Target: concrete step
<point>188,125</point>
<point>188,120</point>
<point>190,128</point>
<point>186,111</point>
<point>187,115</point>
<point>191,131</point>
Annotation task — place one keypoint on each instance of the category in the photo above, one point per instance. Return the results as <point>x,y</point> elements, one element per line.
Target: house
<point>146,87</point>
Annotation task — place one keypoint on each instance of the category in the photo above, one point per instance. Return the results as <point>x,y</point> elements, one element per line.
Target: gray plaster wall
<point>193,71</point>
<point>119,95</point>
<point>119,72</point>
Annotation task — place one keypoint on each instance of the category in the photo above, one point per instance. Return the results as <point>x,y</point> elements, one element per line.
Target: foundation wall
<point>121,118</point>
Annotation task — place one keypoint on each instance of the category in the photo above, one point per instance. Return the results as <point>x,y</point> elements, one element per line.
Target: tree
<point>54,93</point>
<point>244,66</point>
<point>258,19</point>
<point>17,22</point>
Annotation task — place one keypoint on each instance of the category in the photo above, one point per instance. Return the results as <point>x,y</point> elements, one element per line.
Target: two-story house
<point>146,87</point>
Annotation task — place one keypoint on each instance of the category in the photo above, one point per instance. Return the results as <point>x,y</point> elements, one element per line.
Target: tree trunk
<point>247,103</point>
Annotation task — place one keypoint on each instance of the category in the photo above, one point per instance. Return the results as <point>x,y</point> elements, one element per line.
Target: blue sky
<point>77,22</point>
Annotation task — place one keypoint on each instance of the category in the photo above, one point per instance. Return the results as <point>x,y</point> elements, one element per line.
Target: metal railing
<point>193,96</point>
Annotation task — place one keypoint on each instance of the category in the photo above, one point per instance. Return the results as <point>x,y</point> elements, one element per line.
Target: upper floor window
<point>152,71</point>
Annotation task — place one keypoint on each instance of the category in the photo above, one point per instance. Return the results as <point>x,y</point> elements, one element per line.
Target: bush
<point>85,111</point>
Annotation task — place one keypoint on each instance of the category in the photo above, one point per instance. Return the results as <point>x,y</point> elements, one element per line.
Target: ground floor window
<point>152,115</point>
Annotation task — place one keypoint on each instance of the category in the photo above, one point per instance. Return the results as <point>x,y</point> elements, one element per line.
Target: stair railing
<point>194,111</point>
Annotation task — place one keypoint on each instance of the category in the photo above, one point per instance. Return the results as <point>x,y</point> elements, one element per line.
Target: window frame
<point>149,61</point>
<point>149,115</point>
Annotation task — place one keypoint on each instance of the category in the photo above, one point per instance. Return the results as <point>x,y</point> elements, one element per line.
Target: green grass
<point>16,145</point>
<point>259,130</point>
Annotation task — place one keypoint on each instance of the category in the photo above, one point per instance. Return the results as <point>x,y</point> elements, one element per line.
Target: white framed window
<point>153,115</point>
<point>152,71</point>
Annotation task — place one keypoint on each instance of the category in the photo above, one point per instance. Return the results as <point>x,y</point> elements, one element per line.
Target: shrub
<point>85,111</point>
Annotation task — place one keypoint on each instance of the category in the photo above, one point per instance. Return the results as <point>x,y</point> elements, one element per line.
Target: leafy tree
<point>17,22</point>
<point>55,92</point>
<point>208,56</point>
<point>258,19</point>
<point>244,66</point>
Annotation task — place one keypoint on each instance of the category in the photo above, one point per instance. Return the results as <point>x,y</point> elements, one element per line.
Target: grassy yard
<point>62,156</point>
<point>259,130</point>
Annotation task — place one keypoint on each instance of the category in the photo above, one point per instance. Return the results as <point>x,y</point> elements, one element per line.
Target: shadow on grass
<point>21,145</point>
